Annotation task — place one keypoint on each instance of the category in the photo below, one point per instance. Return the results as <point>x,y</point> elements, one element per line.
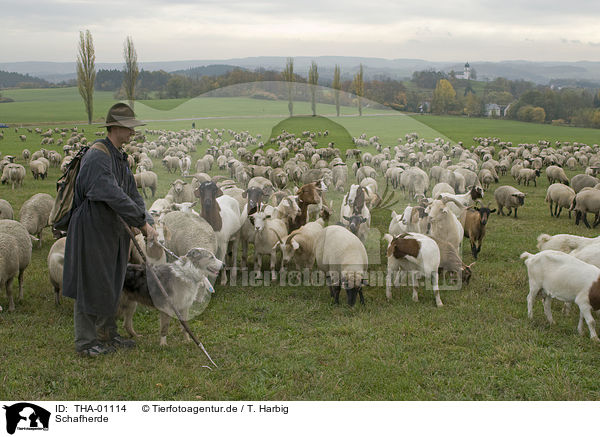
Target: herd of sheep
<point>276,198</point>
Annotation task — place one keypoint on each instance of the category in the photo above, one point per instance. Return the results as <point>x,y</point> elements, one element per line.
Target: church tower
<point>467,73</point>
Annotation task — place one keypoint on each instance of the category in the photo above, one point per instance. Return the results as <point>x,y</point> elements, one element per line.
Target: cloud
<point>205,29</point>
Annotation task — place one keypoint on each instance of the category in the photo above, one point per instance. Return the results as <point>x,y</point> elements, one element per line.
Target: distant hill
<point>538,72</point>
<point>209,70</point>
<point>12,80</point>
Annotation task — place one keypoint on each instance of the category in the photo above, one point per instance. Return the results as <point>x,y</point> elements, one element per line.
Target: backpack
<point>61,213</point>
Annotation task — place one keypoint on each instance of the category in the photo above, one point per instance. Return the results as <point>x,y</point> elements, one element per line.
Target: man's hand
<point>149,232</point>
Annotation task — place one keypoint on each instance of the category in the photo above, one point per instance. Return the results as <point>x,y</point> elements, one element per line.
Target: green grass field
<point>275,342</point>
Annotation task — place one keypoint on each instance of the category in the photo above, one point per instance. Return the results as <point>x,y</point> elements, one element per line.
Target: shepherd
<point>97,246</point>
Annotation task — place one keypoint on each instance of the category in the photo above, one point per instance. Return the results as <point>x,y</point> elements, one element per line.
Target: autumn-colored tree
<point>131,72</point>
<point>86,72</point>
<point>313,80</point>
<point>473,105</point>
<point>288,76</point>
<point>444,97</point>
<point>337,86</point>
<point>359,88</point>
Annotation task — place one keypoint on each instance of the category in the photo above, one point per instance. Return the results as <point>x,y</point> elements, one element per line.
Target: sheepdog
<point>183,281</point>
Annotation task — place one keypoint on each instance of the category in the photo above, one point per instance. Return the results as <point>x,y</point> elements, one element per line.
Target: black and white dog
<point>183,280</point>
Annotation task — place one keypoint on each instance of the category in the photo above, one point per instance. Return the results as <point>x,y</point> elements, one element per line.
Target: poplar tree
<point>131,71</point>
<point>288,76</point>
<point>313,80</point>
<point>337,86</point>
<point>86,72</point>
<point>359,88</point>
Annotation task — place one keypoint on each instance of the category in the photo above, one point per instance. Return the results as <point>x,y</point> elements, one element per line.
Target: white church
<point>466,73</point>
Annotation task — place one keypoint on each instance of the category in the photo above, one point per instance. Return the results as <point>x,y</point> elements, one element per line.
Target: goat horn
<point>278,237</point>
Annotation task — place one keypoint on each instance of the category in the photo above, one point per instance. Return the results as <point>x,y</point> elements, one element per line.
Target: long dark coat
<point>97,246</point>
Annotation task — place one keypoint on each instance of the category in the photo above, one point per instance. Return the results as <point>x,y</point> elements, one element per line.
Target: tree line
<point>430,91</point>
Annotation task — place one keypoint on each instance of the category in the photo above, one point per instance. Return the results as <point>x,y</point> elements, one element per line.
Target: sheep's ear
<point>346,218</point>
<point>219,192</point>
<point>363,219</point>
<point>295,244</point>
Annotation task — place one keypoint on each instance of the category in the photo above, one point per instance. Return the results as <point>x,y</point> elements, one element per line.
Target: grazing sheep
<point>527,175</point>
<point>38,169</point>
<point>587,201</point>
<point>171,163</point>
<point>415,254</point>
<point>510,197</point>
<point>561,196</point>
<point>6,211</point>
<point>556,174</point>
<point>563,242</point>
<point>146,179</point>
<point>9,265</point>
<point>56,261</point>
<point>562,276</point>
<point>35,212</point>
<point>580,181</point>
<point>365,172</point>
<point>341,255</point>
<point>23,238</point>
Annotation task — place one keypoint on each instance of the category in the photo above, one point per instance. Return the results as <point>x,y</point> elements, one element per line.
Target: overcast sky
<point>449,30</point>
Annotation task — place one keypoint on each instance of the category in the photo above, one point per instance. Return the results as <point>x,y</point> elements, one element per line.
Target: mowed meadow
<point>284,342</point>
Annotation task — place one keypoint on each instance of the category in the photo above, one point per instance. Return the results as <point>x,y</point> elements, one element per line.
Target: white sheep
<point>23,238</point>
<point>13,174</point>
<point>180,232</point>
<point>561,196</point>
<point>9,265</point>
<point>35,212</point>
<point>6,210</point>
<point>181,192</point>
<point>562,276</point>
<point>510,197</point>
<point>341,255</point>
<point>146,179</point>
<point>416,254</point>
<point>56,262</point>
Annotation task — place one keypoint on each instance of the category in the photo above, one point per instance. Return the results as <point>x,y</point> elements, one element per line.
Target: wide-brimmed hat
<point>121,114</point>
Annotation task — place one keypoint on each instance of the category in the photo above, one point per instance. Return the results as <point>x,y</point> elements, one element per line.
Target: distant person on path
<point>97,247</point>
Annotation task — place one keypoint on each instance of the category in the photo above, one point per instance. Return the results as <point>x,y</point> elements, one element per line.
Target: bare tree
<point>337,86</point>
<point>359,88</point>
<point>86,72</point>
<point>131,72</point>
<point>313,80</point>
<point>288,76</point>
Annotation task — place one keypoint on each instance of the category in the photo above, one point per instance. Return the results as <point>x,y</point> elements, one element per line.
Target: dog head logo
<point>26,416</point>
